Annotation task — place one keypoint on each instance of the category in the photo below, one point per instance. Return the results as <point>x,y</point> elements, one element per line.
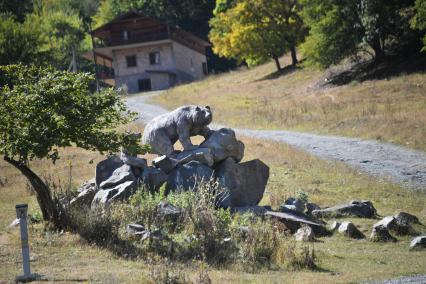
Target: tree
<point>419,20</point>
<point>19,42</point>
<point>256,30</point>
<point>340,28</point>
<point>19,9</point>
<point>43,110</point>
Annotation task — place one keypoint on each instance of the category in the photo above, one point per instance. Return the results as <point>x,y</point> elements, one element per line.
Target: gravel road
<point>384,161</point>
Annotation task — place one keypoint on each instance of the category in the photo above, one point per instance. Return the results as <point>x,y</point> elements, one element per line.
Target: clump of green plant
<point>302,196</point>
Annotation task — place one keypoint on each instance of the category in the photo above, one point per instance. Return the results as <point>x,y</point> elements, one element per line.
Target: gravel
<point>385,161</point>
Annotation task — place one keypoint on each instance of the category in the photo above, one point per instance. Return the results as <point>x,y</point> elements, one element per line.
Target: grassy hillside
<point>341,260</point>
<point>391,109</point>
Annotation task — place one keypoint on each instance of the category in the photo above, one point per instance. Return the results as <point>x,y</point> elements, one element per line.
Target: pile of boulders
<point>218,158</point>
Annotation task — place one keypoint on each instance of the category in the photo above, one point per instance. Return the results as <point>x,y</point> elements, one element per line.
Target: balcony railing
<point>118,39</point>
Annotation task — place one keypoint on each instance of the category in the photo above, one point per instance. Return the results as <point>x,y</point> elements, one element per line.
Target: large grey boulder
<point>348,229</point>
<point>224,144</point>
<point>203,155</point>
<point>246,181</point>
<point>120,175</point>
<point>105,168</point>
<point>152,178</point>
<point>118,193</point>
<point>418,243</point>
<point>304,234</point>
<point>363,209</point>
<point>166,164</point>
<point>187,176</point>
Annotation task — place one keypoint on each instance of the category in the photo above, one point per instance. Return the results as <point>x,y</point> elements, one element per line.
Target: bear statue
<point>162,132</point>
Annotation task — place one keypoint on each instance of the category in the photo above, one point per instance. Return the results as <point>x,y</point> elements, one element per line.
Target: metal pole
<point>21,214</point>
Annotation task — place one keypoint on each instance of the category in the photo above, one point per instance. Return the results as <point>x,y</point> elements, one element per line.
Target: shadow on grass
<point>284,71</point>
<point>392,65</point>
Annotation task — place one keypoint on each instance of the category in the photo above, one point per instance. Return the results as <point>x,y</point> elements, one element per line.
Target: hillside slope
<point>391,109</point>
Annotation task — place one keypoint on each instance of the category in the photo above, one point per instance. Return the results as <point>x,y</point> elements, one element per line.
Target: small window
<point>144,85</point>
<point>154,58</point>
<point>131,60</point>
<point>126,35</point>
<point>205,69</point>
<point>191,63</point>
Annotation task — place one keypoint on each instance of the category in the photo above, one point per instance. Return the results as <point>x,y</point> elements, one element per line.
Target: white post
<point>21,214</point>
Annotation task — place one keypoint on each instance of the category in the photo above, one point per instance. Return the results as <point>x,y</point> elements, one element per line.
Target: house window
<point>205,69</point>
<point>131,60</point>
<point>144,85</point>
<point>191,63</point>
<point>154,58</point>
<point>125,35</point>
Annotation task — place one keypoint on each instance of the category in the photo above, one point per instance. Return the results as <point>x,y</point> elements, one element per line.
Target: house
<point>143,54</point>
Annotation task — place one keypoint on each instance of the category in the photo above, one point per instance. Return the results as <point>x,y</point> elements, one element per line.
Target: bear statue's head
<point>203,115</point>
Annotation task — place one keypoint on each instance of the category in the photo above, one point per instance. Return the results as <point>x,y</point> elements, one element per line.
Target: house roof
<point>132,15</point>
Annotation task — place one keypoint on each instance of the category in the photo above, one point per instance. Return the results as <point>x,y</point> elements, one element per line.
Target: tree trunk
<point>44,197</point>
<point>379,52</point>
<point>277,62</point>
<point>293,55</point>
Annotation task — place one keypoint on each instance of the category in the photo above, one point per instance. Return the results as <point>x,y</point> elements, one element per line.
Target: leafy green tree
<point>256,30</point>
<point>19,9</point>
<point>419,20</point>
<point>340,28</point>
<point>19,42</point>
<point>43,110</point>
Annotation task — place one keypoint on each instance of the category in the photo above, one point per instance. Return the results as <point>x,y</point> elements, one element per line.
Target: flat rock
<point>118,193</point>
<point>348,229</point>
<point>135,229</point>
<point>152,178</point>
<point>363,209</point>
<point>202,155</point>
<point>105,168</point>
<point>168,211</point>
<point>133,161</point>
<point>418,243</point>
<point>294,222</point>
<point>246,181</point>
<point>224,144</point>
<point>187,176</point>
<point>304,234</point>
<point>166,164</point>
<point>120,175</point>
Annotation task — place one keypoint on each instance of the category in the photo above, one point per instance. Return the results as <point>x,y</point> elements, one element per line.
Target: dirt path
<point>385,161</point>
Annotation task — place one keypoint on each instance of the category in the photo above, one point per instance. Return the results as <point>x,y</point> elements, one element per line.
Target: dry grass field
<point>66,257</point>
<point>391,109</point>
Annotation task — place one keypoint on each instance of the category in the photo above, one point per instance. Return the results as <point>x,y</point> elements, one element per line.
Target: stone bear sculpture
<point>162,132</point>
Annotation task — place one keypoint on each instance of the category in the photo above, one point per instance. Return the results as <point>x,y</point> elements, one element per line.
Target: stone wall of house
<point>189,63</point>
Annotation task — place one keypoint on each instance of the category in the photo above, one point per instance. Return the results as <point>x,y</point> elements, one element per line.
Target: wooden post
<point>21,214</point>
